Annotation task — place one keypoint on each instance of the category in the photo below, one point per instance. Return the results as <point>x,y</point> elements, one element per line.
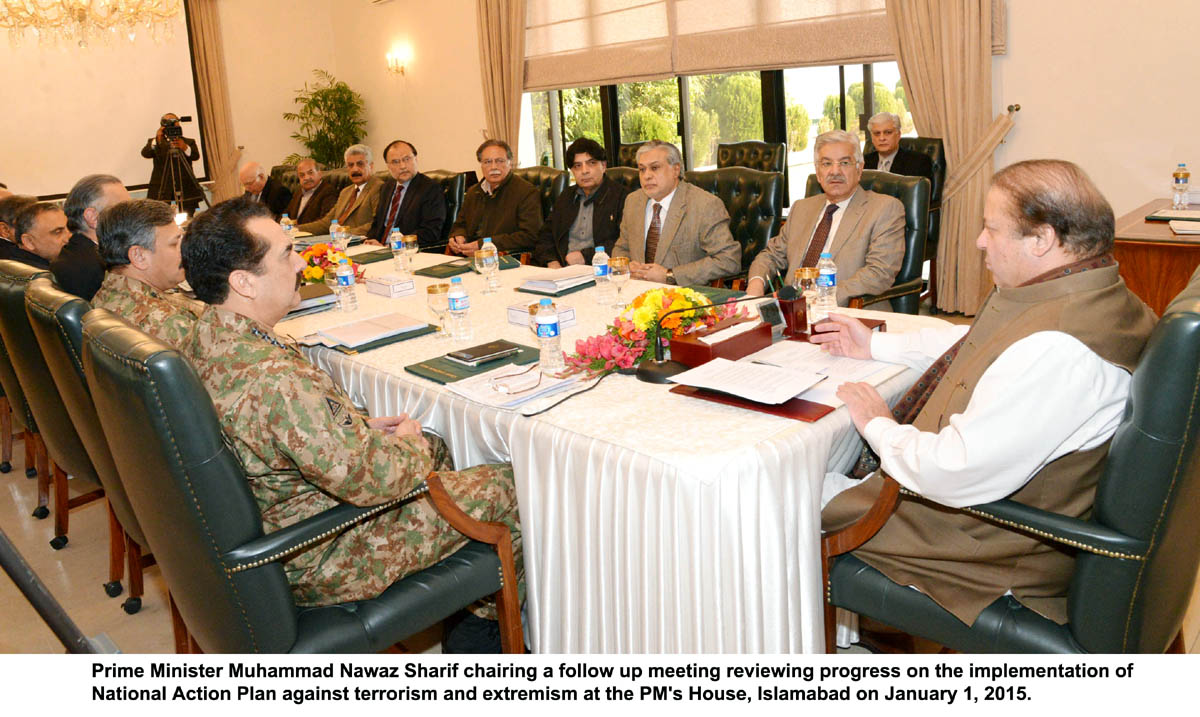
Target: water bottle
<point>347,299</point>
<point>1179,187</point>
<point>491,267</point>
<point>399,258</point>
<point>460,308</point>
<point>826,299</point>
<point>605,291</point>
<point>549,341</point>
<point>335,235</point>
<point>287,224</point>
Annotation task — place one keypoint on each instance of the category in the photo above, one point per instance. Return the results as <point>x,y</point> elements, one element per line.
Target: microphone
<point>658,370</point>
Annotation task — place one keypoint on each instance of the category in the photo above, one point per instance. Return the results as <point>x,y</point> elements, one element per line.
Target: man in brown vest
<point>1022,405</point>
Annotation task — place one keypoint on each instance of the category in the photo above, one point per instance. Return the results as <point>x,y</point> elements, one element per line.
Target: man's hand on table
<point>864,403</point>
<point>372,242</point>
<point>575,258</point>
<point>460,245</point>
<point>756,286</point>
<point>648,272</point>
<point>843,336</point>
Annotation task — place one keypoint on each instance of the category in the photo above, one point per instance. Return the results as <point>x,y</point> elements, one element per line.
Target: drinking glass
<point>411,247</point>
<point>438,297</point>
<point>487,264</point>
<point>618,274</point>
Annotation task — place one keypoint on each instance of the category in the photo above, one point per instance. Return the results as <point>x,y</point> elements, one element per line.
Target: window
<point>722,109</point>
<point>890,96</point>
<point>536,145</point>
<point>648,110</point>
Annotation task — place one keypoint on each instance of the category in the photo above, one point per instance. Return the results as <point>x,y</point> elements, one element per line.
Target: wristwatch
<point>670,276</point>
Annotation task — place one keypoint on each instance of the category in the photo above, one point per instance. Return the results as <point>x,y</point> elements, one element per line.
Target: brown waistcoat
<point>963,562</point>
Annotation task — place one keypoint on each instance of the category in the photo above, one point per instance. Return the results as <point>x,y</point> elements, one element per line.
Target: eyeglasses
<point>494,162</point>
<point>517,382</point>
<point>841,163</point>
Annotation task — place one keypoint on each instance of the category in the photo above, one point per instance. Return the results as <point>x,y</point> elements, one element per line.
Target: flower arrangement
<point>321,262</point>
<point>628,341</point>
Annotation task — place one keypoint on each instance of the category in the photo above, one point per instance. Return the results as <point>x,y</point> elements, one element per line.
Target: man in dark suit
<point>78,268</point>
<point>41,233</point>
<point>261,188</point>
<point>409,201</point>
<point>316,196</point>
<point>159,148</point>
<point>888,155</point>
<point>587,217</point>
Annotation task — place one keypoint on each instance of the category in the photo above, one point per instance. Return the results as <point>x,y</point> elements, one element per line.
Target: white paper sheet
<point>757,382</point>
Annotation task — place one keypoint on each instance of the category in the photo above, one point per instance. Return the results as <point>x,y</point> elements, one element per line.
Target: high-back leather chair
<point>1136,554</point>
<point>57,321</point>
<point>763,156</point>
<point>193,501</point>
<point>550,182</point>
<point>913,193</point>
<point>454,186</point>
<point>627,154</point>
<point>66,451</point>
<point>18,417</point>
<point>626,176</point>
<point>753,200</point>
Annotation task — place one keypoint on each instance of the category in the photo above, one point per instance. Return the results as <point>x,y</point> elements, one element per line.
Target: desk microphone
<point>658,370</point>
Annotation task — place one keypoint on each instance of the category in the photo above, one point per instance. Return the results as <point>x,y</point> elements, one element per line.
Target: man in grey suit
<point>672,231</point>
<point>864,231</point>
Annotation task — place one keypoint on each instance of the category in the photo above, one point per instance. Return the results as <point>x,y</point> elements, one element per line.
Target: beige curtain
<point>944,48</point>
<point>217,125</point>
<point>502,65</point>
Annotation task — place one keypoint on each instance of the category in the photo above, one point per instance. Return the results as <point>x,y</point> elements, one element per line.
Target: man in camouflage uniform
<point>139,243</point>
<point>303,444</point>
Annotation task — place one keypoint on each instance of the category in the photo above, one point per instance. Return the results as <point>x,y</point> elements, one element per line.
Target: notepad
<point>559,281</point>
<point>364,331</point>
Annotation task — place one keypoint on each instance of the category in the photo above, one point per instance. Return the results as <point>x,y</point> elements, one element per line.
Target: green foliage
<point>581,114</point>
<point>704,137</point>
<point>833,111</point>
<point>331,119</point>
<point>736,99</point>
<point>642,123</point>
<point>798,126</point>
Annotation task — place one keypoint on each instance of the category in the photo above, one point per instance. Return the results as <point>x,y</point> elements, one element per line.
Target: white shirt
<point>304,199</point>
<point>1045,396</point>
<point>662,213</point>
<point>834,223</point>
<point>885,163</point>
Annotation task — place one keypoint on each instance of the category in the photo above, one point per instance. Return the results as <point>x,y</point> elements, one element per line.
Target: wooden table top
<point>1134,227</point>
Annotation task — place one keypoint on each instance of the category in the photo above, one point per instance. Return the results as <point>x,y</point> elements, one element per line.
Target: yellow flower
<point>317,273</point>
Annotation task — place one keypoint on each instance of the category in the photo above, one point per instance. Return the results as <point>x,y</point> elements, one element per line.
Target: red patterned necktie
<point>652,235</point>
<point>817,245</point>
<point>393,209</point>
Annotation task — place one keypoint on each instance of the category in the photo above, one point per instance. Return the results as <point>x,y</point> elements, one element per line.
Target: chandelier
<point>78,21</point>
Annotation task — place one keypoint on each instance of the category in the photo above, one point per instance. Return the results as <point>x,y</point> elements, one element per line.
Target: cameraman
<point>158,148</point>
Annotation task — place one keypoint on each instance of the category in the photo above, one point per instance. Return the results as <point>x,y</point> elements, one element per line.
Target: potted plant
<point>330,118</point>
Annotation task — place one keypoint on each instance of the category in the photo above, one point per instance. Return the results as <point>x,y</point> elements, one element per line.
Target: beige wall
<point>1108,84</point>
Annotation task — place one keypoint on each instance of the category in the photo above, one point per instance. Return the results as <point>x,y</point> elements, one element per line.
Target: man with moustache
<point>139,242</point>
<point>409,201</point>
<point>356,205</point>
<point>316,196</point>
<point>587,217</point>
<point>502,206</point>
<point>864,231</point>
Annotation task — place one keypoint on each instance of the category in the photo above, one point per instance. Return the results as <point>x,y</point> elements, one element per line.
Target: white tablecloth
<point>652,522</point>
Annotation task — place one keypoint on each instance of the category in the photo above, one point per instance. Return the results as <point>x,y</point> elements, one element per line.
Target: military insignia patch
<point>339,413</point>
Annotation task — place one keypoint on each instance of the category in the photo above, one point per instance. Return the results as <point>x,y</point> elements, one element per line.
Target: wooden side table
<point>1155,262</point>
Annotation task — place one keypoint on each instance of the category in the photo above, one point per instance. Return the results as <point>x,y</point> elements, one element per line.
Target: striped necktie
<point>652,234</point>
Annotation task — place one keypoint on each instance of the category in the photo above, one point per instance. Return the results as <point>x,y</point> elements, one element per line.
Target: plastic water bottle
<point>288,225</point>
<point>335,236</point>
<point>1179,186</point>
<point>605,291</point>
<point>549,341</point>
<point>491,267</point>
<point>826,300</point>
<point>347,299</point>
<point>399,258</point>
<point>460,310</point>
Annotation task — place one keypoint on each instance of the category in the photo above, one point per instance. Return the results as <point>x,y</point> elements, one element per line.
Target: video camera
<point>171,128</point>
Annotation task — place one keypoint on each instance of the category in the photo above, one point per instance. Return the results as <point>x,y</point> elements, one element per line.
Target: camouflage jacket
<point>305,447</point>
<point>168,317</point>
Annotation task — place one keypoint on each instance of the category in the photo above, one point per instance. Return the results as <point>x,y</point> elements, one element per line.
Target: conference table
<point>1155,262</point>
<point>652,522</point>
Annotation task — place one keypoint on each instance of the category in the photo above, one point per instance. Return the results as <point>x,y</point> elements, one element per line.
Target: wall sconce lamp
<point>398,58</point>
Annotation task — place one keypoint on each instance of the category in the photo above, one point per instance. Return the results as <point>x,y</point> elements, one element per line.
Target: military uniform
<point>169,317</point>
<point>306,448</point>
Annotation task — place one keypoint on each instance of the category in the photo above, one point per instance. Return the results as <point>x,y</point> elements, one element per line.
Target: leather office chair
<point>763,156</point>
<point>36,461</point>
<point>752,199</point>
<point>936,150</point>
<point>193,501</point>
<point>1136,554</point>
<point>65,450</point>
<point>454,186</point>
<point>6,426</point>
<point>57,320</point>
<point>627,155</point>
<point>625,175</point>
<point>550,183</point>
<point>913,193</point>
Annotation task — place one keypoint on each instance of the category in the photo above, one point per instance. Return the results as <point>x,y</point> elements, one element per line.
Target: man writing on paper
<point>301,439</point>
<point>674,232</point>
<point>864,231</point>
<point>1022,406</point>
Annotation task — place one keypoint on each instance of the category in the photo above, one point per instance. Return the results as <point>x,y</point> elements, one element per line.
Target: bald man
<point>263,189</point>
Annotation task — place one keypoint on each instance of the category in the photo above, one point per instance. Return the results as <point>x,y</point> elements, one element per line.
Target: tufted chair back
<point>454,186</point>
<point>753,199</point>
<point>550,183</point>
<point>338,177</point>
<point>626,176</point>
<point>763,156</point>
<point>627,155</point>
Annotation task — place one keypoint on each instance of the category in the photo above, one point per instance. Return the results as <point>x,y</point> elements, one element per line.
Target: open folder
<point>365,331</point>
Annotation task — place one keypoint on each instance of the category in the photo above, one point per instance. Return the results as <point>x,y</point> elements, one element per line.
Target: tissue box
<point>519,314</point>
<point>392,286</point>
<point>691,351</point>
